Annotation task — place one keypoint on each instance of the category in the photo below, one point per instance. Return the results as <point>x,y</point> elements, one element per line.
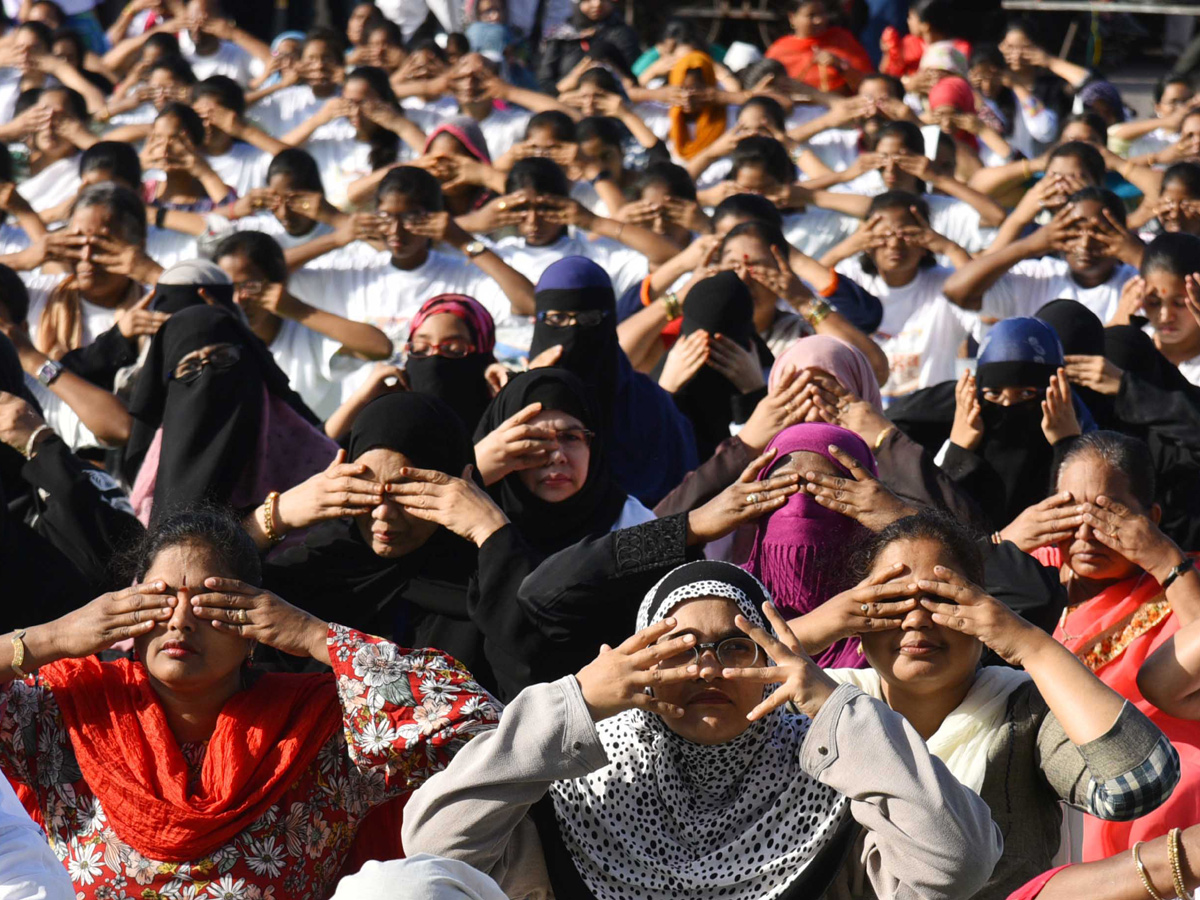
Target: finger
<point>142,601</point>
<point>882,576</point>
<point>646,636</point>
<point>857,470</point>
<point>145,302</point>
<point>780,627</point>
<point>773,647</point>
<point>656,653</point>
<point>750,473</point>
<point>1116,508</point>
<point>659,707</point>
<point>757,674</point>
<point>887,609</point>
<point>523,416</point>
<point>768,706</point>
<point>221,600</point>
<point>950,616</point>
<point>230,586</point>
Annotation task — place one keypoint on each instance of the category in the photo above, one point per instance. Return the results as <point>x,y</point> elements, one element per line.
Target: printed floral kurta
<point>404,715</point>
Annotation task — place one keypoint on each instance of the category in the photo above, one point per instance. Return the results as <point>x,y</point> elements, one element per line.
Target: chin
<point>709,728</point>
<point>1100,567</point>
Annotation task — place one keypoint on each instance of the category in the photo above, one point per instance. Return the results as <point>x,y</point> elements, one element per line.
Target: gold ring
<point>241,616</point>
<point>304,205</point>
<point>502,205</point>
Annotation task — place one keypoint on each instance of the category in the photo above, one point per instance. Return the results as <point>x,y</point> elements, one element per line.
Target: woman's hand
<point>457,504</point>
<point>119,257</point>
<point>876,604</point>
<point>781,281</point>
<point>862,497</point>
<point>788,402</point>
<point>616,680</point>
<point>1191,295</point>
<point>967,609</point>
<point>112,617</point>
<point>139,320</point>
<point>18,421</point>
<point>1054,519</point>
<point>514,445</point>
<point>1133,535</point>
<point>338,491</point>
<point>1058,412</point>
<point>967,430</point>
<point>258,615</point>
<point>1095,372</point>
<point>800,680</point>
<point>687,357</point>
<point>739,365</point>
<point>743,501</point>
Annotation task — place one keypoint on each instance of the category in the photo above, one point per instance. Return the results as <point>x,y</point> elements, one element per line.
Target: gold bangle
<point>1141,870</point>
<point>820,309</point>
<point>673,306</point>
<point>1174,838</point>
<point>268,512</point>
<point>879,438</point>
<point>1025,167</point>
<point>18,653</point>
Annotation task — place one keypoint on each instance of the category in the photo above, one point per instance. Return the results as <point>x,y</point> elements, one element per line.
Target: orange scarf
<point>709,123</point>
<point>266,738</point>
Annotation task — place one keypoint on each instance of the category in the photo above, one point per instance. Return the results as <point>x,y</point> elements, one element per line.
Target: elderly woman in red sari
<point>1129,590</point>
<point>188,772</point>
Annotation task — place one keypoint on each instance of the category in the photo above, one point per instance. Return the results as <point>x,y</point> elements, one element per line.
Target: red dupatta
<point>1114,633</point>
<point>266,738</point>
<point>798,56</point>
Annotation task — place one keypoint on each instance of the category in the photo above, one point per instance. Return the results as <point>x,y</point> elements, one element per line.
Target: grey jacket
<point>925,836</point>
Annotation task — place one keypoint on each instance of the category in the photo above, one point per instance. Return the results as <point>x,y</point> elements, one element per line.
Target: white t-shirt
<point>59,416</point>
<point>29,870</point>
<point>145,114</point>
<point>921,330</point>
<point>313,366</point>
<point>1158,139</point>
<point>342,161</point>
<point>57,182</point>
<point>96,319</point>
<point>1032,283</point>
<point>10,89</point>
<point>501,129</point>
<point>836,147</point>
<point>816,231</point>
<point>168,247</point>
<point>229,60</point>
<point>242,168</point>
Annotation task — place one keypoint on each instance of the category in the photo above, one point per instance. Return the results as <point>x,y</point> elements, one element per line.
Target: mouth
<point>919,649</point>
<point>710,697</point>
<point>177,649</point>
<point>383,537</point>
<point>556,479</point>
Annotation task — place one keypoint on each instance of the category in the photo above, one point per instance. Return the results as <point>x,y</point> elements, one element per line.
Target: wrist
<point>286,518</point>
<point>483,532</point>
<point>318,640</point>
<point>1166,559</point>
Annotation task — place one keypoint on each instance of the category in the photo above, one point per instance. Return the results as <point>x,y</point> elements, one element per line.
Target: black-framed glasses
<point>732,653</point>
<point>451,348</point>
<point>225,356</point>
<point>574,437</point>
<point>587,318</point>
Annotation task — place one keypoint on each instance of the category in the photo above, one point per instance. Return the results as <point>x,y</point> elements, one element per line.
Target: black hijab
<point>461,383</point>
<point>12,381</point>
<point>549,527</point>
<point>1082,334</point>
<point>1132,350</point>
<point>576,284</point>
<point>210,425</point>
<point>720,304</point>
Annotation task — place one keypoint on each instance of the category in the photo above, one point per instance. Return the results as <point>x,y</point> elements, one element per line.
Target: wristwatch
<point>474,248</point>
<point>49,371</point>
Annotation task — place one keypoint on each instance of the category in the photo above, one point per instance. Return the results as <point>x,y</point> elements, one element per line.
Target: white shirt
<point>342,161</point>
<point>289,107</point>
<point>242,168</point>
<point>1032,283</point>
<point>10,89</point>
<point>229,60</point>
<point>815,231</point>
<point>59,416</point>
<point>502,128</point>
<point>29,870</point>
<point>167,247</point>
<point>96,319</point>
<point>836,147</point>
<point>57,182</point>
<point>1158,139</point>
<point>921,330</point>
<point>314,366</point>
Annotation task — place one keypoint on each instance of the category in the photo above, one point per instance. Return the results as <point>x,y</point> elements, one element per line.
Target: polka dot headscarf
<point>667,818</point>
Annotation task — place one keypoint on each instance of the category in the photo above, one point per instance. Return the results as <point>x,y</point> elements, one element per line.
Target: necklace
<point>1062,624</point>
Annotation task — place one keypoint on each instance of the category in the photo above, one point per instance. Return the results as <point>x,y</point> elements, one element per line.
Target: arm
<point>361,190</point>
<point>227,30</point>
<point>650,244</point>
<point>991,213</point>
<point>994,179</point>
<point>119,56</point>
<point>358,339</point>
<point>968,284</point>
<point>1116,878</point>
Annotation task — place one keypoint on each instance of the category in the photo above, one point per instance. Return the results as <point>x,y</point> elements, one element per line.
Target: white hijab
<point>963,738</point>
<point>667,818</point>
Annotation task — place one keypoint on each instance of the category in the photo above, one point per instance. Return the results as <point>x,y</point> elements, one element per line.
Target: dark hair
<point>794,6</point>
<point>1107,199</point>
<point>1087,155</point>
<point>752,74</point>
<point>44,33</point>
<point>427,44</point>
<point>894,85</point>
<point>610,55</point>
<point>14,296</point>
<point>674,178</point>
<point>986,54</point>
<point>1091,120</point>
<point>902,200</point>
<point>214,527</point>
<point>602,78</point>
<point>117,158</point>
<point>927,525</point>
<point>1125,454</point>
<point>1028,27</point>
<point>940,15</point>
<point>770,107</point>
<point>558,123</point>
<point>26,99</point>
<point>227,92</point>
<point>298,164</point>
<point>166,42</point>
<point>909,134</point>
<point>457,42</point>
<point>394,35</point>
<point>71,37</point>
<point>328,36</point>
<point>1160,86</point>
<point>760,150</point>
<point>763,231</point>
<point>682,32</point>
<point>261,249</point>
<point>1173,252</point>
<point>125,207</point>
<point>753,207</point>
<point>541,175</point>
<point>1187,174</point>
<point>385,144</point>
<point>416,184</point>
<point>188,118</point>
<point>605,129</point>
<point>177,66</point>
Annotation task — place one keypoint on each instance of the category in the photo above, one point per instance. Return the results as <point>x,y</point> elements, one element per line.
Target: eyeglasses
<point>573,437</point>
<point>225,356</point>
<point>732,653</point>
<point>451,348</point>
<point>587,318</point>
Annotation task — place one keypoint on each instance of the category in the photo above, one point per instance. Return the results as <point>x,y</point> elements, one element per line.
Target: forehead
<point>443,325</point>
<point>1175,90</point>
<point>395,202</point>
<point>187,563</point>
<point>896,215</point>
<point>383,464</point>
<point>556,419</point>
<point>1087,476</point>
<point>707,616</point>
<point>891,143</point>
<point>805,461</point>
<point>919,555</point>
<point>1164,285</point>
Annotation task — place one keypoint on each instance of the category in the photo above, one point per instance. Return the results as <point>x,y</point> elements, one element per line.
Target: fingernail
<point>689,639</point>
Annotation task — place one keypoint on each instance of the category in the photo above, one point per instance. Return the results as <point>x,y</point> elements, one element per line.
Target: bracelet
<point>620,231</point>
<point>1026,169</point>
<point>997,538</point>
<point>18,653</point>
<point>879,438</point>
<point>268,514</point>
<point>1141,869</point>
<point>1174,837</point>
<point>32,438</point>
<point>820,309</point>
<point>1185,566</point>
<point>160,217</point>
<point>673,305</point>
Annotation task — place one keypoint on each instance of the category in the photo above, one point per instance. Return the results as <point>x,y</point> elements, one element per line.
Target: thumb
<point>338,458</point>
<point>466,472</point>
<point>145,302</point>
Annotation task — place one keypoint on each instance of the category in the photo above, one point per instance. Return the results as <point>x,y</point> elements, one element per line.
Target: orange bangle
<point>832,287</point>
<point>645,292</point>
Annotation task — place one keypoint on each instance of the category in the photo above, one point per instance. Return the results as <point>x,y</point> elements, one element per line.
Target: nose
<point>381,513</point>
<point>917,619</point>
<point>1084,532</point>
<point>182,618</point>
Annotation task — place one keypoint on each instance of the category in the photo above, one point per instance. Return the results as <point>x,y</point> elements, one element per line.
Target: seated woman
<point>458,154</point>
<point>923,639</point>
<point>894,256</point>
<point>696,122</point>
<point>1177,207</point>
<point>818,53</point>
<point>315,349</point>
<point>214,418</point>
<point>168,766</point>
<point>1130,589</point>
<point>682,713</point>
<point>280,107</point>
<point>176,174</point>
<point>53,125</point>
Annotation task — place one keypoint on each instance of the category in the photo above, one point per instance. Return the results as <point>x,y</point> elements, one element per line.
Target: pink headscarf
<point>800,549</point>
<point>952,91</point>
<point>478,320</point>
<point>843,361</point>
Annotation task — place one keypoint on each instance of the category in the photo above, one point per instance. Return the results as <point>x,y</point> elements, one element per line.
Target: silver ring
<point>866,607</point>
<point>751,499</point>
<point>241,617</point>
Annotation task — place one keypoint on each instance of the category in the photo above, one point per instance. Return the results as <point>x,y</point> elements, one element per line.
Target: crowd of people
<point>469,450</point>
